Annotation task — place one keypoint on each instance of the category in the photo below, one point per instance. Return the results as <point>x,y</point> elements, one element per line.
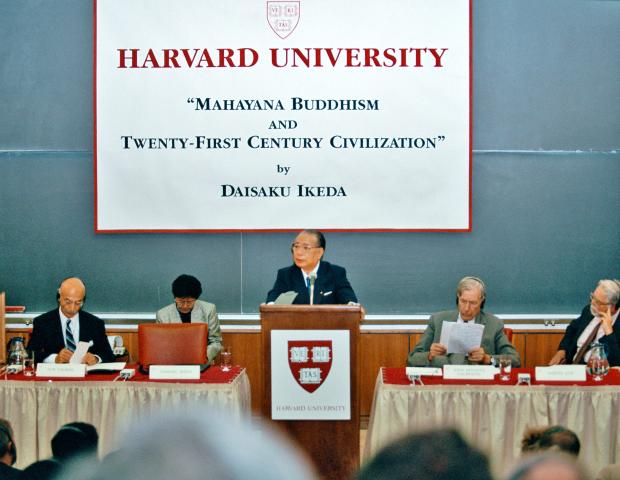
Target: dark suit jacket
<point>331,286</point>
<point>47,337</point>
<point>576,328</point>
<point>9,473</point>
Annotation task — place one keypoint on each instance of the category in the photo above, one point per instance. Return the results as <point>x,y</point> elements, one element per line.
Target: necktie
<point>584,348</point>
<point>69,336</point>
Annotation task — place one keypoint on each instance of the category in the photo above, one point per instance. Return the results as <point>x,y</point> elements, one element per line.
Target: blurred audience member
<point>72,439</point>
<point>550,438</point>
<point>8,452</point>
<point>548,466</point>
<point>41,470</point>
<point>436,455</point>
<point>194,445</point>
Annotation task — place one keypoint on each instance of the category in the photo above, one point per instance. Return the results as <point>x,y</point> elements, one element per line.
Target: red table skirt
<point>397,376</point>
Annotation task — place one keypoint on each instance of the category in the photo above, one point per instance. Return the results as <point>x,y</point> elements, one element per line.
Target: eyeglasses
<point>68,302</point>
<point>594,300</point>
<point>303,248</point>
<point>185,301</point>
<point>469,303</point>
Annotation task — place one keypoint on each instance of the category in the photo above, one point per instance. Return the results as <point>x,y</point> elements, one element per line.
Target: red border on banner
<point>277,230</point>
<point>95,114</point>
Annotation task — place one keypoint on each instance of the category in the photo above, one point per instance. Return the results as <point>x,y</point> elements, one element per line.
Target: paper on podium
<point>285,298</point>
<point>461,337</point>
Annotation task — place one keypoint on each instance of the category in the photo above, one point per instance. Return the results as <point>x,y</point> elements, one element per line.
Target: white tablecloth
<point>37,410</point>
<point>493,417</point>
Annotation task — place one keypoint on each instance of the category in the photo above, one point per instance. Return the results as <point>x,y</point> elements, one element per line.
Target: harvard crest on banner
<point>283,17</point>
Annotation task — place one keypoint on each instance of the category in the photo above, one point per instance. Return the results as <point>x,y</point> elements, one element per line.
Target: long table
<point>493,415</point>
<point>37,407</point>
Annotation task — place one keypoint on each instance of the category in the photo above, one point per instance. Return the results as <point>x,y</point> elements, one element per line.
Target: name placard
<point>423,371</point>
<point>468,372</point>
<point>561,373</point>
<point>174,372</point>
<point>61,370</point>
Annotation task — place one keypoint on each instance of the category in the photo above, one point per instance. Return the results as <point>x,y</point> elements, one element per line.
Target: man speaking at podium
<point>310,280</point>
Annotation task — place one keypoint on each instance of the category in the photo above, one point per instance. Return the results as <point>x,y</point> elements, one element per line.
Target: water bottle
<point>17,354</point>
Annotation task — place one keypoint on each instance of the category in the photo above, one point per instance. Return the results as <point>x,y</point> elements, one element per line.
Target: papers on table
<point>461,337</point>
<point>106,367</point>
<point>80,351</point>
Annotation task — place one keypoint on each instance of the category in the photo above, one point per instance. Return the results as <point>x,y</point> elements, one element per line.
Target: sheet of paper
<point>80,350</point>
<point>106,367</point>
<point>286,298</point>
<point>461,337</point>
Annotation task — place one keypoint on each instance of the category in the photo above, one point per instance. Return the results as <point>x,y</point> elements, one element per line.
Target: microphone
<point>312,280</point>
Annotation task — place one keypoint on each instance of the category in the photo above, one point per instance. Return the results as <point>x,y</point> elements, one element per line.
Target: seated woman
<point>188,309</point>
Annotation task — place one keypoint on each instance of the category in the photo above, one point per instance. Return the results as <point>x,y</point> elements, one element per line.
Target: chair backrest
<point>172,344</point>
<point>508,332</point>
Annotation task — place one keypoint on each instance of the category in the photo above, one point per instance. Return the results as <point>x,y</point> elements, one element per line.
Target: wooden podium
<point>333,445</point>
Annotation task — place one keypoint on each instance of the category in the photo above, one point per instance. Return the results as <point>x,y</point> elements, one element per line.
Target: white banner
<point>310,375</point>
<point>279,115</point>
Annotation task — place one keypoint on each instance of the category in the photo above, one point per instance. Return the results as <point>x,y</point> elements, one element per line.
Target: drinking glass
<point>505,367</point>
<point>598,364</point>
<point>226,359</point>
<point>29,365</point>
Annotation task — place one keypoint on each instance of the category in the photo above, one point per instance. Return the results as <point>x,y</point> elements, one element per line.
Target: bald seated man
<point>55,334</point>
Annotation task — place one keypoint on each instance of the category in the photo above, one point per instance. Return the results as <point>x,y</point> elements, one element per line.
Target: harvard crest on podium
<point>310,362</point>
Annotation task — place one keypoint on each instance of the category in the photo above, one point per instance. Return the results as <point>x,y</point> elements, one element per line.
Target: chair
<point>508,332</point>
<point>172,344</point>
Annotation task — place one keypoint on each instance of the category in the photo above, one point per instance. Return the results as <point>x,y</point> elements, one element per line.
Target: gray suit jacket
<point>494,341</point>
<point>202,312</point>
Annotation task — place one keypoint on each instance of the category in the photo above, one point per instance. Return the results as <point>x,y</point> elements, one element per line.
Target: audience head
<point>41,470</point>
<point>548,466</point>
<point>8,452</point>
<point>308,249</point>
<point>436,455</point>
<point>73,439</point>
<point>550,438</point>
<point>70,296</point>
<point>605,296</point>
<point>471,294</point>
<point>194,445</point>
